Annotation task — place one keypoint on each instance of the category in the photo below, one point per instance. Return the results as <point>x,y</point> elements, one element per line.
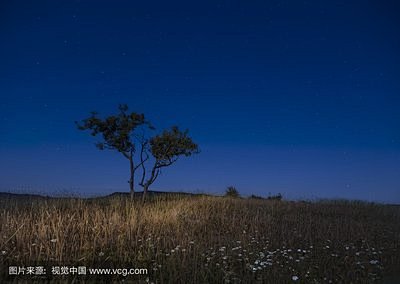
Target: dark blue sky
<point>297,97</point>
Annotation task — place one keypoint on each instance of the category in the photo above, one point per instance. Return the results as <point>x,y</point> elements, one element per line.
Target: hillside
<point>204,239</point>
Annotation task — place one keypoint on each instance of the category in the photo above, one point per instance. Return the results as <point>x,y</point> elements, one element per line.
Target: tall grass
<point>205,239</point>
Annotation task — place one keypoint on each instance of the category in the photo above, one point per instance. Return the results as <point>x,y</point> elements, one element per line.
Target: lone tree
<point>121,132</point>
<point>118,133</point>
<point>165,150</point>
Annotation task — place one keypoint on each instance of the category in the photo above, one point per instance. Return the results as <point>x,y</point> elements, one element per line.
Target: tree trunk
<point>131,180</point>
<point>145,188</point>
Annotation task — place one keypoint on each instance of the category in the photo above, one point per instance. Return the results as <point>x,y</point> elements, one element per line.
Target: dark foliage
<point>231,191</point>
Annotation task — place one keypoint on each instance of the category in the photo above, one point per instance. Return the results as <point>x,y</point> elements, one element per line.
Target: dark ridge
<point>9,195</point>
<point>151,193</point>
<point>4,196</point>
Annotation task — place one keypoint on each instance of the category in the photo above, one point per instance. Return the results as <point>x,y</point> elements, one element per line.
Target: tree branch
<point>142,153</point>
<point>142,161</point>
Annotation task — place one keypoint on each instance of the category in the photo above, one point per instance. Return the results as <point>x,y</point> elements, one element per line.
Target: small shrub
<point>277,197</point>
<point>231,191</point>
<point>255,197</point>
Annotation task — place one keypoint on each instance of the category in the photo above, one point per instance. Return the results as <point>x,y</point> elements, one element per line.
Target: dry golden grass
<point>203,239</point>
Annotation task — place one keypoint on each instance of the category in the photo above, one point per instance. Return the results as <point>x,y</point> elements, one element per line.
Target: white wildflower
<point>373,261</point>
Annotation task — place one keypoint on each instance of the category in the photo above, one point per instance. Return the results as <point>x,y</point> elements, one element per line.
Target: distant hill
<point>10,195</point>
<point>152,193</point>
<point>4,196</point>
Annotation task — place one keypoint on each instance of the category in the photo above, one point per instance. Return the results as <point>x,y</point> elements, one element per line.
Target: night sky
<point>296,97</point>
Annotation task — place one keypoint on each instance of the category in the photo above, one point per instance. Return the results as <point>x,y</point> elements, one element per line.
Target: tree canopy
<point>120,132</point>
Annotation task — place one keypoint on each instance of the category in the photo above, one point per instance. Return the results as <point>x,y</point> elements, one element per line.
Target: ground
<point>201,239</point>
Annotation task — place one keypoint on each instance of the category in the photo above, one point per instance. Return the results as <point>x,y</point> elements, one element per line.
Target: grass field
<point>202,239</point>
